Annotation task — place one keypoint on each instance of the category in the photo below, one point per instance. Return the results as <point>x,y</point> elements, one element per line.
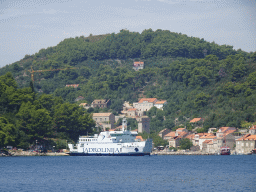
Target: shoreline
<point>181,153</point>
<point>29,153</point>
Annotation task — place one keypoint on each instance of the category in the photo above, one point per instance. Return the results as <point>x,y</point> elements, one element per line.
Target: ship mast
<point>124,124</point>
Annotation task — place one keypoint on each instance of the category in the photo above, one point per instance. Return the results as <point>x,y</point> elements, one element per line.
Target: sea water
<point>148,173</point>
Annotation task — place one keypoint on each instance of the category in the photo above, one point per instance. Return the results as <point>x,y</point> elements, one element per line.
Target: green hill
<point>197,78</point>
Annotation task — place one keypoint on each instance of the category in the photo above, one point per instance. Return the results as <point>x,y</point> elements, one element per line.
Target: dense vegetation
<point>27,118</point>
<point>197,78</point>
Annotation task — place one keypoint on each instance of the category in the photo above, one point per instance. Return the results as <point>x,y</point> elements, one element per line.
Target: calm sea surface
<point>154,173</point>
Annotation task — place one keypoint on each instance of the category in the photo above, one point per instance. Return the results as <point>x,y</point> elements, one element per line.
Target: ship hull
<point>109,154</point>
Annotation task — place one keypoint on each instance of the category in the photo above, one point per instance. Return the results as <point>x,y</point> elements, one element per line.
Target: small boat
<point>225,150</point>
<point>253,152</point>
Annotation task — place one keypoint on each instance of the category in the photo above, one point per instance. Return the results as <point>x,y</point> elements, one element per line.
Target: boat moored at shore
<point>225,150</point>
<point>111,143</point>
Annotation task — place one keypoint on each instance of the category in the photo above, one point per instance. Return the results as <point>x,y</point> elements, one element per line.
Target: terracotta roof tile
<point>171,134</point>
<point>140,138</point>
<point>191,136</point>
<point>224,129</point>
<point>253,127</point>
<point>195,120</point>
<point>150,100</point>
<point>161,102</point>
<point>101,114</point>
<point>243,138</point>
<point>132,109</point>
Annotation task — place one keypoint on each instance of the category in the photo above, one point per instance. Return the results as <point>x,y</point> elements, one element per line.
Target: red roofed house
<point>252,130</point>
<point>131,112</point>
<point>197,122</point>
<point>169,135</point>
<point>137,65</point>
<point>144,104</point>
<point>164,132</point>
<point>204,138</point>
<point>160,104</point>
<point>72,85</point>
<point>85,105</point>
<point>246,144</point>
<point>174,137</point>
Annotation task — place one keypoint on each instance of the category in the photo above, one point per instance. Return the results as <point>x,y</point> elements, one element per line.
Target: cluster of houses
<point>212,141</point>
<point>106,121</point>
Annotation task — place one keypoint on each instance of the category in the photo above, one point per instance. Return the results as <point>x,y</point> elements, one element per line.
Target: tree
<point>8,133</point>
<point>72,121</point>
<point>185,143</point>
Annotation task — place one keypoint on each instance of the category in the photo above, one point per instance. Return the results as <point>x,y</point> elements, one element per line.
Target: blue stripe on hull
<point>108,154</point>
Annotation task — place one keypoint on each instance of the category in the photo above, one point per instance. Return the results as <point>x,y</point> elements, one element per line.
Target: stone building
<point>101,103</point>
<point>246,144</point>
<point>252,130</point>
<point>143,124</point>
<point>131,112</point>
<point>144,105</point>
<point>85,105</point>
<point>164,132</point>
<point>104,120</point>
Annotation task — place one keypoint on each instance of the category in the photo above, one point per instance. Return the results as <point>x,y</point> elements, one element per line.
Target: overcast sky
<point>26,26</point>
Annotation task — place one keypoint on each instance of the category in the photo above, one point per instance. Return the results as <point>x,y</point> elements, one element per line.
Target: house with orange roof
<point>85,105</point>
<point>209,146</point>
<point>137,65</point>
<point>181,130</point>
<point>160,104</point>
<point>245,144</point>
<point>131,112</point>
<point>169,135</point>
<point>79,98</point>
<point>104,120</point>
<point>197,136</point>
<point>144,105</point>
<point>174,141</point>
<point>72,85</point>
<point>197,122</point>
<point>204,138</point>
<point>164,132</point>
<point>252,130</point>
<point>174,137</point>
<point>139,138</point>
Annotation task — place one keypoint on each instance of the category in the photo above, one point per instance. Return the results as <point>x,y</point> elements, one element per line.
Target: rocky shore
<point>20,153</point>
<point>181,153</point>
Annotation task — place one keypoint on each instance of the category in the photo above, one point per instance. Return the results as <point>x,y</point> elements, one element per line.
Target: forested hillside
<point>197,78</point>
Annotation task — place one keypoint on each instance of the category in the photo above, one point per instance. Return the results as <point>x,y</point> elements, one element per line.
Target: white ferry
<point>111,143</point>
